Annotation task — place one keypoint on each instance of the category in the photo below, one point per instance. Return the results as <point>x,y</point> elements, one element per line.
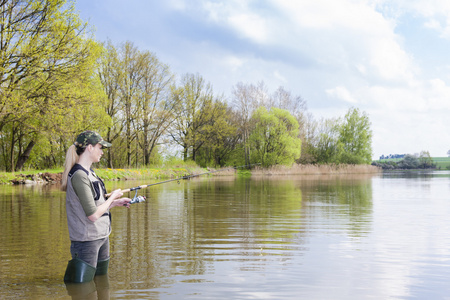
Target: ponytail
<point>71,159</point>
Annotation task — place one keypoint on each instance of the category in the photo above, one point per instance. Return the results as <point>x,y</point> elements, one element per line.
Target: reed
<point>299,169</point>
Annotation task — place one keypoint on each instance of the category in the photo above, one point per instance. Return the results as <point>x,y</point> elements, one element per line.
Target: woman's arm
<point>113,200</point>
<point>83,188</point>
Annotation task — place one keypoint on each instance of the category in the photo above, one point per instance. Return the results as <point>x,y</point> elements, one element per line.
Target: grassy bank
<point>176,171</point>
<point>108,174</point>
<point>8,177</point>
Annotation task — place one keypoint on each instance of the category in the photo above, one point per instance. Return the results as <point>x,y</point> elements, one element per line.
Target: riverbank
<point>54,176</point>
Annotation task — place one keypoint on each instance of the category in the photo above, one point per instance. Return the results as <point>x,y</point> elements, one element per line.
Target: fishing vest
<point>82,229</point>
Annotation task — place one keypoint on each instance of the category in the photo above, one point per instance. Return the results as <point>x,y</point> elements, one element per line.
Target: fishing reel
<point>137,199</point>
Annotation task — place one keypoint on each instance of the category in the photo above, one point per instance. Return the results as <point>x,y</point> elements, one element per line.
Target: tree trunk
<point>185,152</point>
<point>146,146</point>
<point>109,156</point>
<point>12,149</point>
<point>25,155</point>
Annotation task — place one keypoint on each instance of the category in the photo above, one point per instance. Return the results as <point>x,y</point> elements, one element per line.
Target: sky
<point>390,59</point>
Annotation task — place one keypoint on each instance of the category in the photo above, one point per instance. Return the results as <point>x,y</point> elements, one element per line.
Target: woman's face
<point>96,153</point>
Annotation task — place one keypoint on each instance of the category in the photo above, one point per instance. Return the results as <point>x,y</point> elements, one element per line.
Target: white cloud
<point>250,25</point>
<point>334,54</point>
<point>342,93</point>
<point>177,4</point>
<point>279,76</point>
<point>234,62</point>
<point>239,16</point>
<point>436,13</point>
<point>359,59</point>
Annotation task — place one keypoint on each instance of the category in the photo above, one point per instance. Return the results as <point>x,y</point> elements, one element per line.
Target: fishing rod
<point>138,199</point>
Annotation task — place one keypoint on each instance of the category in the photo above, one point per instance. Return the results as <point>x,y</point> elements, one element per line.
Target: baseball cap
<point>89,137</point>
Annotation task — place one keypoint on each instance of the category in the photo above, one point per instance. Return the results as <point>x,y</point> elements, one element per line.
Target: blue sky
<point>387,58</point>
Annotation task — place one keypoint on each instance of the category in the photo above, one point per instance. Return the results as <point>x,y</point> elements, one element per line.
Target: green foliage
<point>46,67</point>
<point>274,140</point>
<point>347,140</point>
<point>179,162</point>
<point>324,146</point>
<point>355,138</point>
<point>423,161</point>
<point>244,173</point>
<point>236,157</point>
<point>408,162</point>
<point>137,86</point>
<point>219,137</point>
<point>200,120</point>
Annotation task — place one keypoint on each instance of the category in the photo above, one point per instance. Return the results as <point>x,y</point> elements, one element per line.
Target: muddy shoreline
<point>40,178</point>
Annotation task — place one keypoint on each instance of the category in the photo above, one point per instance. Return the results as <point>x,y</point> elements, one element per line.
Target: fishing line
<point>138,199</point>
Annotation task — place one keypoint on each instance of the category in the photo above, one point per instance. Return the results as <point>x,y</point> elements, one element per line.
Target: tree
<point>246,99</point>
<point>274,139</point>
<point>155,106</point>
<point>249,97</point>
<point>46,63</point>
<point>194,112</point>
<point>220,136</point>
<point>408,162</point>
<point>109,73</point>
<point>308,134</point>
<point>132,66</point>
<point>355,138</point>
<point>324,143</point>
<point>283,99</point>
<point>140,101</point>
<point>425,160</point>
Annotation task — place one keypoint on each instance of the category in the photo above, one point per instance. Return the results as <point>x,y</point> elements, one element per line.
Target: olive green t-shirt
<point>83,188</point>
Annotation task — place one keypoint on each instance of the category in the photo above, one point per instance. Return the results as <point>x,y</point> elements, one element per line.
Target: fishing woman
<point>88,209</point>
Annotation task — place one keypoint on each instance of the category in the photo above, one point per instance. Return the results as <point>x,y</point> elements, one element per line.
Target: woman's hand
<point>122,202</point>
<point>116,194</point>
<point>117,201</point>
<point>113,200</point>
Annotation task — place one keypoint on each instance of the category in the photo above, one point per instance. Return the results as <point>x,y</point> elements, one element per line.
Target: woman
<point>87,208</point>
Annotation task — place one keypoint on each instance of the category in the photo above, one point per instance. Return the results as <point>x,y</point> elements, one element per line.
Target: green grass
<point>442,162</point>
<point>244,173</point>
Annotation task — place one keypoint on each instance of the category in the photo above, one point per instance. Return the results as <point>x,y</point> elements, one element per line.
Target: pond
<point>273,237</point>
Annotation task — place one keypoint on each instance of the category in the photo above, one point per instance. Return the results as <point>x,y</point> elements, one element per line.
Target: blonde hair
<point>71,159</point>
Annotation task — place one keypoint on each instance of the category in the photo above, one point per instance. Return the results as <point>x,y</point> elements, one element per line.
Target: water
<point>312,237</point>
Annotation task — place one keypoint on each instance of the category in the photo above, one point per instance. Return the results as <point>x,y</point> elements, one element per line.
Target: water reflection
<point>314,237</point>
<point>97,289</point>
<point>415,174</point>
<point>254,223</point>
<point>199,222</point>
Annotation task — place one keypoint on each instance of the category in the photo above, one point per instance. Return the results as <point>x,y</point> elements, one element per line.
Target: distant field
<point>441,162</point>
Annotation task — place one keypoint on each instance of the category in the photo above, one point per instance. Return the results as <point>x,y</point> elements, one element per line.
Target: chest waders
<point>79,271</point>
